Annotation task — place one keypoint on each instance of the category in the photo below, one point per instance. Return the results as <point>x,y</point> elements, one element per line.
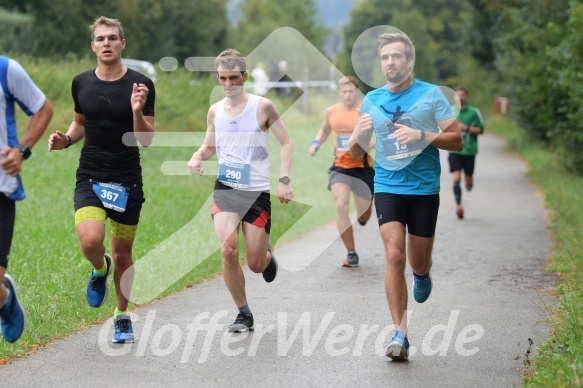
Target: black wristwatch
<point>24,150</point>
<point>284,179</point>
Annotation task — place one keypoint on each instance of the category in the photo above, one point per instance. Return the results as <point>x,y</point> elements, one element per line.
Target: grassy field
<point>46,261</point>
<point>559,361</point>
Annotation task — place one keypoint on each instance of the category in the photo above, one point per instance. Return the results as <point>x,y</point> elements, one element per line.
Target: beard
<point>398,77</point>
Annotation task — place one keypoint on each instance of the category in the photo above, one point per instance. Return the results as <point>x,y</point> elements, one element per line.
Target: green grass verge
<point>559,361</point>
<point>46,261</point>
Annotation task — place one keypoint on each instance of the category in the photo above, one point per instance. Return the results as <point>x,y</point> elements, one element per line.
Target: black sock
<point>457,191</point>
<point>245,310</point>
<point>420,276</point>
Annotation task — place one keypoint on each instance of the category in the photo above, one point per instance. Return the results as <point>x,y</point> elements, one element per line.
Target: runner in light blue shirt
<point>411,120</point>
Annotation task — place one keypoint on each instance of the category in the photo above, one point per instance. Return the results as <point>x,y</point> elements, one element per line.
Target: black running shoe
<point>270,271</point>
<point>242,323</point>
<point>124,331</point>
<point>351,260</point>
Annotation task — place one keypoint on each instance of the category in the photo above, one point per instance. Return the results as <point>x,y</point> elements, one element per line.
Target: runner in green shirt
<point>471,124</point>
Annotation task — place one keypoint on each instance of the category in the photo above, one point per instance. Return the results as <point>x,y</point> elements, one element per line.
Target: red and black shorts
<point>254,207</point>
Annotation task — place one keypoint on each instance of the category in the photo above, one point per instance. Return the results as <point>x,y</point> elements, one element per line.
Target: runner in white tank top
<point>237,131</point>
<point>242,148</point>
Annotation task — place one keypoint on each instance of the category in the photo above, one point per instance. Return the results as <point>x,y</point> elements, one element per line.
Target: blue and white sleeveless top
<point>16,86</point>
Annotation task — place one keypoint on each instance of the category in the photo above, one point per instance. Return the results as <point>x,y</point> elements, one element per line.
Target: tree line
<point>153,28</point>
<point>530,51</point>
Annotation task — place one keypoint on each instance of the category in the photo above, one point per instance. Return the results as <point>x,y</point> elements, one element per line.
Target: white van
<point>143,67</point>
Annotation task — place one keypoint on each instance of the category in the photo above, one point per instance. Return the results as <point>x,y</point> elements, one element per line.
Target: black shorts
<point>85,196</point>
<point>418,213</point>
<point>254,207</point>
<point>459,162</point>
<point>360,180</point>
<point>7,217</point>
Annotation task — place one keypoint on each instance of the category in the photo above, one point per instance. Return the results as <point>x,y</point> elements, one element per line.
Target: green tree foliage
<point>522,61</point>
<point>445,23</point>
<point>153,28</point>
<point>261,17</point>
<point>536,47</point>
<point>16,29</point>
<point>61,26</point>
<point>566,70</point>
<point>537,57</point>
<point>434,26</point>
<point>173,28</point>
<point>480,32</point>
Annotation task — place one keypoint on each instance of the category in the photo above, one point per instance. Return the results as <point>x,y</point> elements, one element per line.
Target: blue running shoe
<point>12,316</point>
<point>97,287</point>
<point>422,287</point>
<point>398,348</point>
<point>124,331</point>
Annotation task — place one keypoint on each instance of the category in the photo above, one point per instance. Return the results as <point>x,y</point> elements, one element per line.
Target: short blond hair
<point>231,59</point>
<point>347,80</point>
<point>108,22</point>
<point>387,38</point>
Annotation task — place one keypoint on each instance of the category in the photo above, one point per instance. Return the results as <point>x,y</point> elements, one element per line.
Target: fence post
<point>306,87</point>
<point>332,82</point>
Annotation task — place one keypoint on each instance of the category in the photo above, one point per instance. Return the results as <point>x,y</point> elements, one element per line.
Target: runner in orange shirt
<point>347,174</point>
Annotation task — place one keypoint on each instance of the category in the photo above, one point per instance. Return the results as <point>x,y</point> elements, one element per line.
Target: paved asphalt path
<point>325,326</point>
